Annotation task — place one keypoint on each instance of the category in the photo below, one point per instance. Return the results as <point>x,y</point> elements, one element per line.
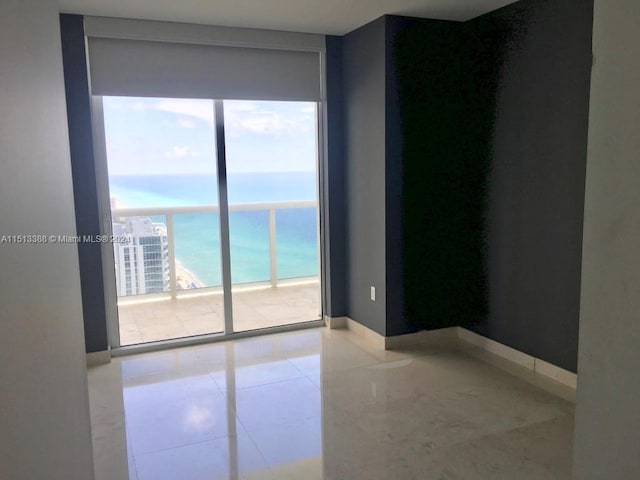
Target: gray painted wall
<point>395,320</point>
<point>335,263</point>
<point>536,186</point>
<point>83,173</point>
<point>608,412</point>
<point>363,63</point>
<point>44,409</point>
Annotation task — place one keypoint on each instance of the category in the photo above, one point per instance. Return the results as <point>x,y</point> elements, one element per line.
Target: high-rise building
<point>141,256</point>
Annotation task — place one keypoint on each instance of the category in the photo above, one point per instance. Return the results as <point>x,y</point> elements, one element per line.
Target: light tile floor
<point>142,322</point>
<point>320,404</point>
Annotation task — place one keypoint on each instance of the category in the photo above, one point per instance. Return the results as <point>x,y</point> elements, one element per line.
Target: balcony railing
<point>170,212</point>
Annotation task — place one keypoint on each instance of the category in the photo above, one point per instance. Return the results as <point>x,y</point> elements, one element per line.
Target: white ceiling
<point>334,17</point>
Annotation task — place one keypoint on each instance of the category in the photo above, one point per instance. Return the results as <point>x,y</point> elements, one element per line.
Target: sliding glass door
<point>163,184</point>
<point>271,160</point>
<point>186,238</point>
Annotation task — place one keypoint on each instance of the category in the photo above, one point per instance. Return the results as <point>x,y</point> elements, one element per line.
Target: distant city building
<point>141,256</point>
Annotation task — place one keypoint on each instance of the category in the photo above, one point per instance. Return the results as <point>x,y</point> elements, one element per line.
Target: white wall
<point>44,410</point>
<point>608,410</point>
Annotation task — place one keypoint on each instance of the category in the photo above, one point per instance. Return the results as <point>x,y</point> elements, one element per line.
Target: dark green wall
<point>415,194</point>
<point>541,56</point>
<point>415,175</point>
<point>484,140</point>
<point>442,123</point>
<point>494,119</point>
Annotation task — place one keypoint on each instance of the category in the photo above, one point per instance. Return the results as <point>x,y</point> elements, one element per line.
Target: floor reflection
<point>321,404</point>
<point>225,411</point>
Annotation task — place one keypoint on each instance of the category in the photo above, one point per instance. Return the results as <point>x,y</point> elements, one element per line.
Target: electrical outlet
<point>373,294</point>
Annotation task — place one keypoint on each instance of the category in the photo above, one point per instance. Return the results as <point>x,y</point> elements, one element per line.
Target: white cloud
<point>240,106</point>
<point>201,109</point>
<point>258,118</point>
<point>186,123</point>
<point>127,103</point>
<point>265,123</point>
<point>240,116</point>
<point>269,123</point>
<point>181,152</point>
<point>139,106</point>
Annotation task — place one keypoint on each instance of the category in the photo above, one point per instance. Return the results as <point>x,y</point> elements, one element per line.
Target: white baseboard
<point>443,336</point>
<point>371,337</point>
<point>546,369</point>
<point>335,322</point>
<point>497,348</point>
<point>98,358</point>
<point>558,374</point>
<point>453,335</point>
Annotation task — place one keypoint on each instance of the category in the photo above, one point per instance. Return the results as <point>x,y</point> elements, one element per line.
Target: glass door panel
<point>271,163</point>
<point>161,160</point>
<point>249,239</point>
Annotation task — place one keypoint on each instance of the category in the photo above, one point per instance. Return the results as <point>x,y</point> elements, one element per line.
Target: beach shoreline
<point>186,279</point>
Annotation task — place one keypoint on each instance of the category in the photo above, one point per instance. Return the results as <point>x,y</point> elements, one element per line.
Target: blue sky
<point>176,136</point>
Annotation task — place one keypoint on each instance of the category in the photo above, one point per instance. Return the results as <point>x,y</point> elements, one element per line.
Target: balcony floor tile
<point>165,319</point>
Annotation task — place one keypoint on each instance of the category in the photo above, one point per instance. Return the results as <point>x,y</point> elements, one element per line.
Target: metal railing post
<point>173,282</point>
<point>273,259</point>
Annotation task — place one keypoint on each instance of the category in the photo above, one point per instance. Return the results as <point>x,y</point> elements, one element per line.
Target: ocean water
<point>197,236</point>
